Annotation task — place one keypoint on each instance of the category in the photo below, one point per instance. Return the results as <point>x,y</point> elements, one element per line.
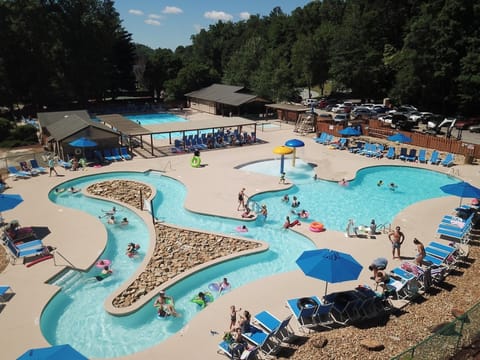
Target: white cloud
<point>244,15</point>
<point>218,15</point>
<point>172,10</point>
<point>152,22</point>
<point>136,12</point>
<point>155,16</point>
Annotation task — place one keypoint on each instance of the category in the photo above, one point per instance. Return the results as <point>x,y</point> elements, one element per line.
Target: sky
<point>168,24</point>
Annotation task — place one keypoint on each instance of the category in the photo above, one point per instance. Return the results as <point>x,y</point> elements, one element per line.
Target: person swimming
<point>393,186</point>
<point>380,183</point>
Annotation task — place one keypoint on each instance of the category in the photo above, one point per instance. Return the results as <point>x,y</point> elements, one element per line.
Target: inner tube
<point>239,228</point>
<point>202,303</point>
<point>317,227</point>
<point>214,287</point>
<point>196,161</point>
<point>78,151</point>
<point>103,262</point>
<point>306,302</point>
<point>304,215</point>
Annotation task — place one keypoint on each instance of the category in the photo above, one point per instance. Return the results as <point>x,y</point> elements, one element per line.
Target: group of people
<point>392,186</point>
<point>370,230</point>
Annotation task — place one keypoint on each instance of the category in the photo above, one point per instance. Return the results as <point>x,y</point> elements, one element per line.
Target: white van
<point>310,102</point>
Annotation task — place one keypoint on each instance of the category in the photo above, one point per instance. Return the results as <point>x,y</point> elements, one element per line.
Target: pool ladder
<point>384,228</point>
<point>67,279</point>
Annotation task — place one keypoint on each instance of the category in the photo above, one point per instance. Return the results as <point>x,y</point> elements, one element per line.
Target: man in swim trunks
<point>397,238</point>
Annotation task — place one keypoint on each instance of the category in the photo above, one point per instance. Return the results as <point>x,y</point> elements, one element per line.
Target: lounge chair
<point>403,287</point>
<point>3,292</point>
<point>448,161</point>
<point>434,159</point>
<point>422,156</point>
<point>305,314</point>
<point>234,351</point>
<point>125,154</point>
<point>403,154</point>
<point>17,253</point>
<point>271,323</point>
<point>412,271</point>
<point>391,153</point>
<point>264,342</point>
<point>344,311</point>
<point>358,147</point>
<point>412,155</point>
<point>35,166</point>
<point>24,166</point>
<point>116,154</point>
<point>340,145</point>
<point>12,170</point>
<point>65,164</point>
<point>107,154</point>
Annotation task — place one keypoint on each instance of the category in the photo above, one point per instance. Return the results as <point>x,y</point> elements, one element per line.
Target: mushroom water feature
<point>294,143</point>
<point>282,150</point>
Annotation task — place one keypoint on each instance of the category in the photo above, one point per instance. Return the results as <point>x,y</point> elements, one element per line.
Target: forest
<point>420,52</point>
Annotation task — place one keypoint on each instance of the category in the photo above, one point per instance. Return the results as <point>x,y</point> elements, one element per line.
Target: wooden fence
<point>377,129</point>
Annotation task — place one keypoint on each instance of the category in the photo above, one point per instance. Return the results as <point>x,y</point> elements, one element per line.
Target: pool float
<point>196,161</point>
<point>216,287</point>
<point>202,303</point>
<point>304,215</point>
<point>242,229</point>
<point>317,227</point>
<point>102,263</point>
<point>292,224</point>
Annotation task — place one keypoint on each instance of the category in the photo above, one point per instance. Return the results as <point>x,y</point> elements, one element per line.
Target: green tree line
<point>423,52</point>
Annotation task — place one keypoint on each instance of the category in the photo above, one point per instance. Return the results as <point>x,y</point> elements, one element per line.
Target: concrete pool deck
<point>211,189</point>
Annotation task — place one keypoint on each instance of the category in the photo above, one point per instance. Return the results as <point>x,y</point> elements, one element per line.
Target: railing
<point>446,342</point>
<point>384,228</point>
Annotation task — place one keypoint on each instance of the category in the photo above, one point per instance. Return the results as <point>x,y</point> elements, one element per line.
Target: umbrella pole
<point>281,164</point>
<point>293,159</point>
<point>326,286</point>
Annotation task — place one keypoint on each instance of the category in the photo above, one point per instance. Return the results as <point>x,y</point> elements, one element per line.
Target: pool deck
<point>211,189</point>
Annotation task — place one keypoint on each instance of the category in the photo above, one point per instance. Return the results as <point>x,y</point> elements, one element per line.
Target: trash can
<point>468,159</point>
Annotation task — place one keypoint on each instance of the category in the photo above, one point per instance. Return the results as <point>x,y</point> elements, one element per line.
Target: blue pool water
<point>76,315</point>
<point>163,118</point>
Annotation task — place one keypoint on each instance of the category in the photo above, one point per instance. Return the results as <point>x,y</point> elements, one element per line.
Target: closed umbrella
<point>9,201</point>
<point>400,138</point>
<point>58,352</point>
<point>329,265</point>
<point>461,189</point>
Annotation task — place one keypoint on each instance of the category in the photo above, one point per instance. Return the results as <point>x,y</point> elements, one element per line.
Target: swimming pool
<point>76,315</point>
<point>162,118</point>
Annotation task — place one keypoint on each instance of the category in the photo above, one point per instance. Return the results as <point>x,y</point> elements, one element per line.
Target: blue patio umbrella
<point>349,131</point>
<point>83,142</point>
<point>329,265</point>
<point>58,352</point>
<point>461,189</point>
<point>9,201</point>
<point>400,138</point>
<point>294,143</point>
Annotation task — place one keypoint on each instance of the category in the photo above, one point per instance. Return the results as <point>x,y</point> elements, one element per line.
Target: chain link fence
<point>446,342</point>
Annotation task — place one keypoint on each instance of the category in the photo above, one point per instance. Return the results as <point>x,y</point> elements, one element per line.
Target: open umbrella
<point>9,201</point>
<point>58,352</point>
<point>349,131</point>
<point>329,265</point>
<point>83,143</point>
<point>400,138</point>
<point>461,189</point>
<point>294,143</point>
<point>282,150</point>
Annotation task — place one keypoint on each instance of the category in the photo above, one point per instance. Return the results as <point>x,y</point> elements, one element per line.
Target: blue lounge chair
<point>3,291</point>
<point>403,154</point>
<point>412,155</point>
<point>264,342</point>
<point>449,159</point>
<point>12,170</point>
<point>19,253</point>
<point>107,154</point>
<point>305,314</point>
<point>340,145</point>
<point>422,156</point>
<point>116,154</point>
<point>403,284</point>
<point>434,159</point>
<point>125,154</point>
<point>35,166</point>
<point>24,167</point>
<point>280,328</point>
<point>65,164</point>
<point>232,350</point>
<point>358,147</point>
<point>391,153</point>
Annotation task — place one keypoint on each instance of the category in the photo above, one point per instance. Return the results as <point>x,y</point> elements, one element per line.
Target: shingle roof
<point>224,94</point>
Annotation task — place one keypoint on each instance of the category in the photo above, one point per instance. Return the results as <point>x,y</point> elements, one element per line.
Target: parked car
<point>341,118</point>
<point>324,117</point>
<point>362,112</point>
<point>310,102</point>
<point>474,128</point>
